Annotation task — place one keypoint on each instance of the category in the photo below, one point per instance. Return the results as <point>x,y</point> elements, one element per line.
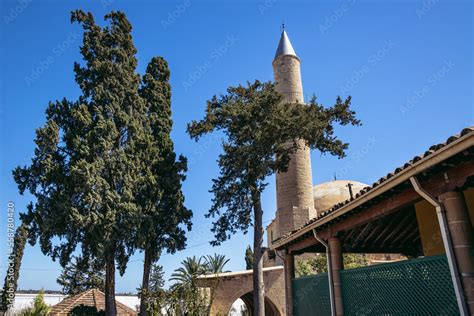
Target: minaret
<point>295,204</point>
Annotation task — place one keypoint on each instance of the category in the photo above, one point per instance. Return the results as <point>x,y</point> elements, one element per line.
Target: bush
<point>39,308</point>
<point>83,310</point>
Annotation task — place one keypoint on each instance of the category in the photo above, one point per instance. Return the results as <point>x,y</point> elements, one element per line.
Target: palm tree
<point>185,293</point>
<point>190,269</point>
<point>215,263</point>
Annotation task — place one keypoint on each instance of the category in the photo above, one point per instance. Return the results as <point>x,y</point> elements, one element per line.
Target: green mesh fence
<point>412,287</point>
<point>311,295</point>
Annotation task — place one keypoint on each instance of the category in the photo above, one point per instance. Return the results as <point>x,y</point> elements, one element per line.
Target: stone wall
<point>233,286</point>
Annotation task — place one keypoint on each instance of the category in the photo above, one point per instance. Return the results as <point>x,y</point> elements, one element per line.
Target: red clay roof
<point>91,297</point>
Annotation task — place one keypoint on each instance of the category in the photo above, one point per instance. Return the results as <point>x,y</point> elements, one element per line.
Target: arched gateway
<point>231,286</point>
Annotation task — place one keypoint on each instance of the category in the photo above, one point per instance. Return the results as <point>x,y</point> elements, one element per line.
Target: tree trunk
<point>145,283</point>
<point>258,285</point>
<point>110,308</point>
<point>11,279</point>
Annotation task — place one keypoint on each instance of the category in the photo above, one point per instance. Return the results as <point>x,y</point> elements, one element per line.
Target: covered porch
<point>423,210</point>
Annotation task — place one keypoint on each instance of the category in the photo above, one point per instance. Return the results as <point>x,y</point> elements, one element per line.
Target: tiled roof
<point>91,297</point>
<point>427,154</point>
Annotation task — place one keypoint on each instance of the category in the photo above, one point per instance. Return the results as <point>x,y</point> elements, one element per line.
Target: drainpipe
<point>443,225</point>
<point>328,257</point>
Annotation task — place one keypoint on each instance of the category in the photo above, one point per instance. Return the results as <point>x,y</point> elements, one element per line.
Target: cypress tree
<point>85,171</point>
<point>248,258</point>
<point>160,196</point>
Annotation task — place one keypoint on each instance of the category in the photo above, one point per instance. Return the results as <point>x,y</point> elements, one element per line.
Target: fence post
<point>289,266</point>
<point>460,229</point>
<point>337,262</point>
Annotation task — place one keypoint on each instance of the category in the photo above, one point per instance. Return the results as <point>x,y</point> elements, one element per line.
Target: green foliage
<point>157,280</point>
<point>248,258</point>
<point>318,263</point>
<point>13,267</point>
<point>185,297</point>
<point>39,308</point>
<point>355,260</point>
<point>85,170</point>
<point>303,267</point>
<point>83,310</point>
<point>159,195</point>
<point>80,275</point>
<point>104,175</point>
<point>260,135</point>
<point>215,264</point>
<point>313,265</point>
<point>190,269</point>
<point>156,296</point>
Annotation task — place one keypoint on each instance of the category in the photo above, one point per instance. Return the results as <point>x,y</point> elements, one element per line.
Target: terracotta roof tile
<point>91,297</point>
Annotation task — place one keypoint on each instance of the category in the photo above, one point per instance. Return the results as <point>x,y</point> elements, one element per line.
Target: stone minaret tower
<point>295,204</point>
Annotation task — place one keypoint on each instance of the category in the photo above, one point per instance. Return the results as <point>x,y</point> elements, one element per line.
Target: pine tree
<point>248,258</point>
<point>160,196</point>
<point>86,169</point>
<point>157,278</point>
<point>156,295</point>
<point>39,307</point>
<point>13,267</point>
<point>80,275</point>
<point>260,134</point>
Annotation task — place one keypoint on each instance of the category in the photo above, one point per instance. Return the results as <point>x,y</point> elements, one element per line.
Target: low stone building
<point>91,298</point>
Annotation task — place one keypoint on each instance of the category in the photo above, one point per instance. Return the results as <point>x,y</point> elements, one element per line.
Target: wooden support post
<point>460,229</point>
<point>289,275</point>
<point>337,264</point>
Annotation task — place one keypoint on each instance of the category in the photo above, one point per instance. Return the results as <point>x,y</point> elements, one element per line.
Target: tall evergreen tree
<point>80,275</point>
<point>86,169</point>
<point>248,258</point>
<point>13,267</point>
<point>160,196</point>
<point>260,134</point>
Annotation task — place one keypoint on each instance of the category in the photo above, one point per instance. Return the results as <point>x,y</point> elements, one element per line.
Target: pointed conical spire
<point>284,47</point>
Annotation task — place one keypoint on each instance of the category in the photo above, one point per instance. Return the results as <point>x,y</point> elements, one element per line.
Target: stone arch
<point>270,308</point>
<point>234,285</point>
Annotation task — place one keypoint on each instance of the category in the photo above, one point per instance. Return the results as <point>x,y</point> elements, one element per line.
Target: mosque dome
<point>328,194</point>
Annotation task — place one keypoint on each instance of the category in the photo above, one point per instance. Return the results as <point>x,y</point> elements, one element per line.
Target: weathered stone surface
<point>295,204</point>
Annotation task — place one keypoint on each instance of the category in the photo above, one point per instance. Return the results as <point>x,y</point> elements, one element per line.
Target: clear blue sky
<point>407,64</point>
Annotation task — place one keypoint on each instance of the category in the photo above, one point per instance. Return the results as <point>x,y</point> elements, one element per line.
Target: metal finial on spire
<point>282,25</point>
